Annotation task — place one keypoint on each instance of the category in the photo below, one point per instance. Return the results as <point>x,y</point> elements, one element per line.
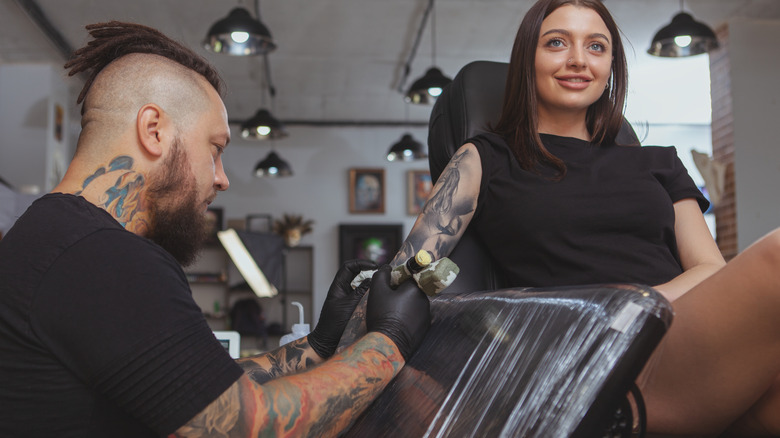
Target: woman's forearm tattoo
<point>442,217</point>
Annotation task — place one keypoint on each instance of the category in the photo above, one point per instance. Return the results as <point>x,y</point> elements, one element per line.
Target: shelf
<point>206,278</point>
<point>216,284</point>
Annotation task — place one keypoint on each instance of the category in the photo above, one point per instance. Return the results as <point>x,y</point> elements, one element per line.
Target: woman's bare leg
<point>722,352</point>
<point>762,418</point>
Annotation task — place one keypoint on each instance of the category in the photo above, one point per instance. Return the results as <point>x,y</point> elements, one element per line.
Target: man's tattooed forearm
<point>287,359</point>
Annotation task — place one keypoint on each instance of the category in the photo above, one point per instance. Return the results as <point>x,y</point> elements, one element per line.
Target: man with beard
<point>99,334</point>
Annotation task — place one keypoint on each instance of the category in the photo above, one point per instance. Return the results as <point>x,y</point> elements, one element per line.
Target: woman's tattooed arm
<point>448,210</point>
<point>438,228</point>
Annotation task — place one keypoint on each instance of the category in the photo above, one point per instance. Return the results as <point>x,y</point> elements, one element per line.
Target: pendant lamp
<point>406,149</point>
<point>239,34</point>
<point>263,125</point>
<point>684,36</point>
<point>426,89</point>
<point>273,166</point>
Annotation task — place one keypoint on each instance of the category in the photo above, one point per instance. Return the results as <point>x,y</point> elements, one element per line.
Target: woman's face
<point>573,61</point>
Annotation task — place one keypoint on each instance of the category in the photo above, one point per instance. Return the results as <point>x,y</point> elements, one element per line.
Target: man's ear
<point>150,124</point>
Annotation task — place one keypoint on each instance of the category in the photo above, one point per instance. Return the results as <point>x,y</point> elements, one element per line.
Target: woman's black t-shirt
<point>610,219</point>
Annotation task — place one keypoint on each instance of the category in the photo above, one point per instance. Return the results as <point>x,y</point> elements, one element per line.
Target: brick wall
<point>723,143</point>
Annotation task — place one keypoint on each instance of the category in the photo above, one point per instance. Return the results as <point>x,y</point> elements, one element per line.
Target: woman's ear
<point>149,124</point>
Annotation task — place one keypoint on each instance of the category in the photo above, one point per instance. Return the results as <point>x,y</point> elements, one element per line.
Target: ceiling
<point>338,60</point>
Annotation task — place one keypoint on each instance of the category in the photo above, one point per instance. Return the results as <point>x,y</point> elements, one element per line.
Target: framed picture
<point>379,243</point>
<point>214,217</point>
<point>367,190</point>
<point>419,185</point>
<point>258,223</point>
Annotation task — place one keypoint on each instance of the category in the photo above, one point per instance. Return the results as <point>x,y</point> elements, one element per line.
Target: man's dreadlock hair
<point>115,39</point>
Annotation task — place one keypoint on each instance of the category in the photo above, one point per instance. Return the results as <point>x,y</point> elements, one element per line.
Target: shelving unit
<point>208,278</point>
<point>213,274</point>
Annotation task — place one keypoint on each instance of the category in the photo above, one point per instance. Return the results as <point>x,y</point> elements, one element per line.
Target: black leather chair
<point>465,108</point>
<point>555,362</point>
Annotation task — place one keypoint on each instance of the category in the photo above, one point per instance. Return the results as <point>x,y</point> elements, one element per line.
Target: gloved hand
<point>402,314</point>
<point>339,305</point>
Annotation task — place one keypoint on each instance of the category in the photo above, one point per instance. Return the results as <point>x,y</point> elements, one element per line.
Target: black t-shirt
<point>609,220</point>
<point>99,334</point>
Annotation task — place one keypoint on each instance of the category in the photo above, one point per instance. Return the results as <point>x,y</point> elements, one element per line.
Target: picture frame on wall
<point>418,188</point>
<point>259,223</point>
<point>367,190</point>
<point>377,242</point>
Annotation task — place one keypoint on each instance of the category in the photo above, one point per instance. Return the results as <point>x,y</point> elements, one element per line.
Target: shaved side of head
<point>129,65</point>
<point>118,92</point>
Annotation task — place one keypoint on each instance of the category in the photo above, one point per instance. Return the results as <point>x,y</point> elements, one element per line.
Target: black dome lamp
<point>273,166</point>
<point>406,149</point>
<point>684,36</point>
<point>239,34</point>
<point>425,90</point>
<point>263,125</point>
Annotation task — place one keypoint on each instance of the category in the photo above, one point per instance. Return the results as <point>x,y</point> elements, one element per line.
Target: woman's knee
<point>768,248</point>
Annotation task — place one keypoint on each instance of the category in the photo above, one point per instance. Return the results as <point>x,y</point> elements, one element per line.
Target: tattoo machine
<point>431,276</point>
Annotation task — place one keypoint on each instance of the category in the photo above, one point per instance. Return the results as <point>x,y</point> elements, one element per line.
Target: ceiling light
<point>263,125</point>
<point>273,166</point>
<point>426,89</point>
<point>239,34</point>
<point>406,149</point>
<point>684,36</point>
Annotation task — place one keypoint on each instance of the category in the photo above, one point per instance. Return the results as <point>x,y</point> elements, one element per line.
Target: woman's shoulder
<point>486,137</point>
<point>488,143</point>
<point>659,154</point>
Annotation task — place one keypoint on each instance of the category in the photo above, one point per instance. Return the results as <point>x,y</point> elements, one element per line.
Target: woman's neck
<point>564,125</point>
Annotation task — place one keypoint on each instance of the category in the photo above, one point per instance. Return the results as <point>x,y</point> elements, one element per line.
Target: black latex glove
<point>403,314</point>
<point>338,307</point>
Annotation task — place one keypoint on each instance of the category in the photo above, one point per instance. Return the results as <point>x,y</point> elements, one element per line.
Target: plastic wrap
<point>521,362</point>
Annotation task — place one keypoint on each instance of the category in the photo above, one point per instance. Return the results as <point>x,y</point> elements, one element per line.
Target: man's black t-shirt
<point>609,220</point>
<point>99,334</point>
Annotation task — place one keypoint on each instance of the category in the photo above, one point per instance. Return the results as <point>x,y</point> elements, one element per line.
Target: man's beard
<point>176,221</point>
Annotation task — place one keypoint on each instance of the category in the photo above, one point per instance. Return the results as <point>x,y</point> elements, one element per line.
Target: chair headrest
<point>464,109</point>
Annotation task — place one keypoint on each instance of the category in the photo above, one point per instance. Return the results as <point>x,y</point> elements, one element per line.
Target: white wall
<point>755,62</point>
<point>30,155</point>
<point>320,158</point>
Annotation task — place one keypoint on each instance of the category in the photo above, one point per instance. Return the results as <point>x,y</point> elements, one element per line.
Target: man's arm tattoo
<point>287,359</point>
<point>321,402</point>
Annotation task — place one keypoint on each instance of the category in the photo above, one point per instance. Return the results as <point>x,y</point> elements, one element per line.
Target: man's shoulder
<point>63,211</point>
<point>57,223</point>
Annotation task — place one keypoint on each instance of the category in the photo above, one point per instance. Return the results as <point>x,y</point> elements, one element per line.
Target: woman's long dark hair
<point>519,116</point>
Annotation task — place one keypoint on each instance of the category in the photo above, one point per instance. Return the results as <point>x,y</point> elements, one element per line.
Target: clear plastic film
<point>522,362</point>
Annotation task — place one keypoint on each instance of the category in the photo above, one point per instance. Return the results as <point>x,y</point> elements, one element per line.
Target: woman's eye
<point>597,47</point>
<point>555,43</point>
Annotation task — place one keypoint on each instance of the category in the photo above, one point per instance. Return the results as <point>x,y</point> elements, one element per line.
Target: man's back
<point>84,324</point>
